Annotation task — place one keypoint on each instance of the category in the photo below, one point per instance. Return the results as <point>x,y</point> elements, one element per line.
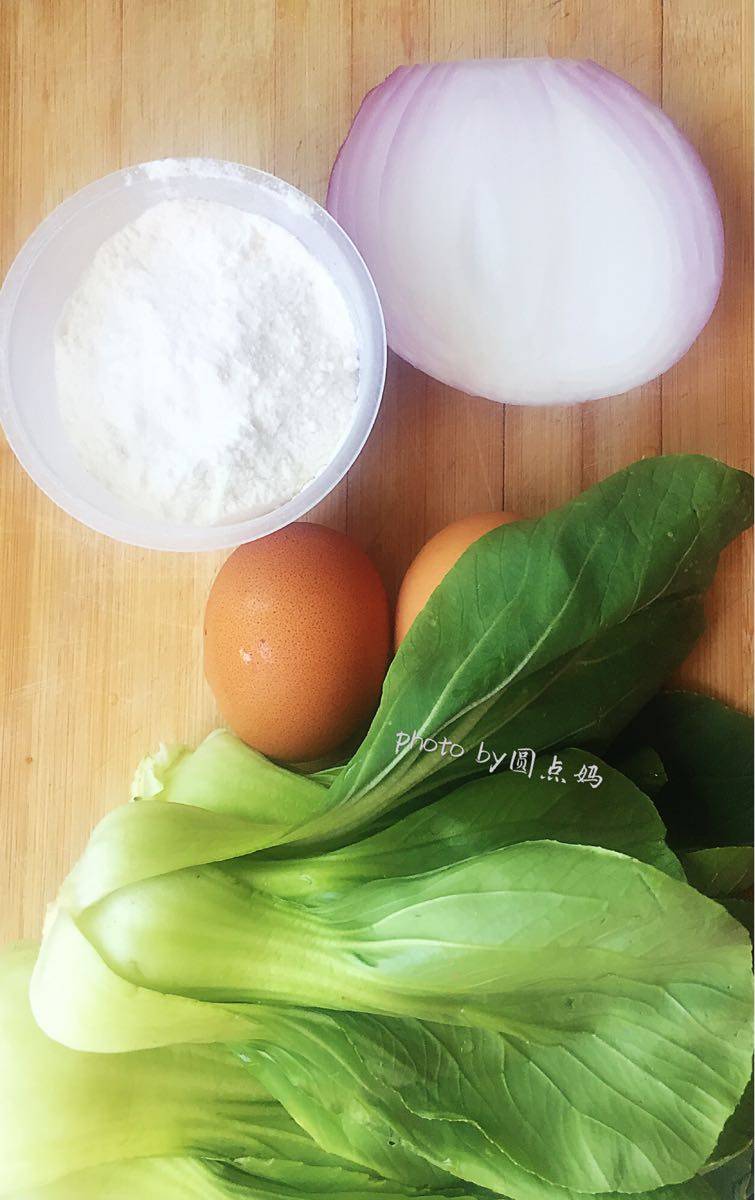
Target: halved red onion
<point>538,230</point>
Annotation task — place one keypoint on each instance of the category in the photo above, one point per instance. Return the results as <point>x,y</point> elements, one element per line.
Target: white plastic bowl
<point>50,265</point>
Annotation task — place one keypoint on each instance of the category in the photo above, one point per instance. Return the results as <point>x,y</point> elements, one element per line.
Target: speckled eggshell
<point>296,641</point>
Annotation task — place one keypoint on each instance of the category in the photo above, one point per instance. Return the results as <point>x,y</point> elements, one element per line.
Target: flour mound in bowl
<point>206,364</point>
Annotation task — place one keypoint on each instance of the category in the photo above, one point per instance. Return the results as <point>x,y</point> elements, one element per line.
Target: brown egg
<point>296,641</point>
<point>436,558</point>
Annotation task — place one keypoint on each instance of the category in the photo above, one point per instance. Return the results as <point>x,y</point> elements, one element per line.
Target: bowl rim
<point>144,531</point>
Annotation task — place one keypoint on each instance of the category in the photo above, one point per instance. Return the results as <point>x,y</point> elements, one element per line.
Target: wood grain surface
<point>100,653</point>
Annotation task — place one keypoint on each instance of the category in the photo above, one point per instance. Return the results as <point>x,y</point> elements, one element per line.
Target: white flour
<point>206,364</point>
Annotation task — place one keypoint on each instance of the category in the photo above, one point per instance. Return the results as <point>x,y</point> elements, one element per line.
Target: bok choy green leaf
<point>549,632</point>
<point>706,750</point>
<point>432,1088</point>
<point>484,814</point>
<point>722,872</point>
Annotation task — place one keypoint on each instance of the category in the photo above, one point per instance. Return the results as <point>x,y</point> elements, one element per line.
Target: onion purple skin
<point>539,231</point>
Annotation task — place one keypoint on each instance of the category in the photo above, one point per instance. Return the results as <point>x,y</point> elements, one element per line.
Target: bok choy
<point>484,814</point>
<point>546,954</point>
<point>497,979</point>
<point>213,1179</point>
<point>549,632</point>
<point>183,1122</point>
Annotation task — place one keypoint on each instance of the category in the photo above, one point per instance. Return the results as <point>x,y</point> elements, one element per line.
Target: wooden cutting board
<point>100,646</point>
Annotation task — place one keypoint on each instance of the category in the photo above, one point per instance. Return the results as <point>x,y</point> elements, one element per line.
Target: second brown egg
<point>435,560</point>
<point>296,641</point>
